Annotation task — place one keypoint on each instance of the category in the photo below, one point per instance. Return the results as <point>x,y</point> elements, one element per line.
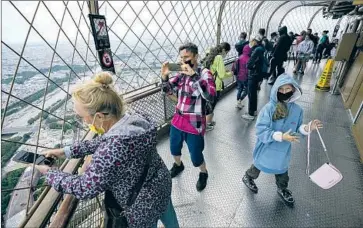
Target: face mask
<point>92,127</point>
<point>284,96</point>
<point>189,62</point>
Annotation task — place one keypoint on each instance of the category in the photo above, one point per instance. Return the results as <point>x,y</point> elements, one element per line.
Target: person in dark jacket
<point>241,43</point>
<point>254,66</point>
<point>279,55</point>
<point>124,150</point>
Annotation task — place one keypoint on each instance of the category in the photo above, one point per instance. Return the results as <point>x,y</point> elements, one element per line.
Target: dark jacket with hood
<point>282,46</point>
<point>240,45</point>
<point>255,63</point>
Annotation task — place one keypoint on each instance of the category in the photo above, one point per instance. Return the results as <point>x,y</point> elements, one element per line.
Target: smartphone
<point>174,67</point>
<point>28,158</point>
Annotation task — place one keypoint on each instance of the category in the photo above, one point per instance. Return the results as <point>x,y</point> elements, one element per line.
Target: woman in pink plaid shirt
<point>194,86</point>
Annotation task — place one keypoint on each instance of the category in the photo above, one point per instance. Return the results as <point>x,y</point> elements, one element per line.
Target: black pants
<point>276,65</point>
<point>282,180</point>
<point>319,53</point>
<point>211,105</point>
<point>252,96</point>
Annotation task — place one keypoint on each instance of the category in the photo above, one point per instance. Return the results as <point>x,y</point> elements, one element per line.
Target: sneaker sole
<point>177,174</point>
<point>252,190</point>
<point>286,202</point>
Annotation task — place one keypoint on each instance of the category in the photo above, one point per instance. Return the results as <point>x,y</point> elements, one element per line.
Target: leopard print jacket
<point>118,160</point>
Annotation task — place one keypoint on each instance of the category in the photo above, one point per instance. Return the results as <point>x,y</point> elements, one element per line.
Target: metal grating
<point>263,14</point>
<point>279,14</point>
<point>304,14</point>
<point>236,19</point>
<point>151,33</point>
<point>43,56</point>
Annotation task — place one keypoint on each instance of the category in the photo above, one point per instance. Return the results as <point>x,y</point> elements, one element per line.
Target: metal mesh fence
<point>263,14</point>
<point>45,51</point>
<point>279,14</point>
<point>304,14</point>
<point>236,19</point>
<point>151,33</point>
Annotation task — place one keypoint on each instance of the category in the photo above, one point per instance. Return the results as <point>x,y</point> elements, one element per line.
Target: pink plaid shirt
<point>192,92</point>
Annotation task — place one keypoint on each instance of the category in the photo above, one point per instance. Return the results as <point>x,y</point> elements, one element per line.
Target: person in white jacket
<point>304,50</point>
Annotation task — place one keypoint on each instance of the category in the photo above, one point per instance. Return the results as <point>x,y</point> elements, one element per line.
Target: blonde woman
<point>125,163</point>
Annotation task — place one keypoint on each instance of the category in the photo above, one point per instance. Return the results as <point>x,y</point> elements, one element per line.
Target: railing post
<point>93,6</point>
<point>219,21</point>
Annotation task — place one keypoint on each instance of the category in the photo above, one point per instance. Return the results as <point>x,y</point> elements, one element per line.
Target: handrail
<point>44,207</point>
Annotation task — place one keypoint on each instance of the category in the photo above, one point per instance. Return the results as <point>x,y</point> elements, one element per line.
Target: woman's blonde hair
<point>99,95</point>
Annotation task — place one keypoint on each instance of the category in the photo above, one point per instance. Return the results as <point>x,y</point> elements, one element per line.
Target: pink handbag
<point>327,175</point>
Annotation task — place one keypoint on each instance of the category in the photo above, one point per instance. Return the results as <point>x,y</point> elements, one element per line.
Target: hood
<point>284,79</point>
<point>283,30</point>
<point>131,124</point>
<point>247,50</point>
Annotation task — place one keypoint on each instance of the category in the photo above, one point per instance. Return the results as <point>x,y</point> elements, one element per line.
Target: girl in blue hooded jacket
<point>278,125</point>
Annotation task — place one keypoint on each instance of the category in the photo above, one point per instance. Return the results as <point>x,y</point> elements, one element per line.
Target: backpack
<point>236,68</point>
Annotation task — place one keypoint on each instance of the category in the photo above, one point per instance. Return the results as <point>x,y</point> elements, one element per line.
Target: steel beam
<point>312,18</point>
<point>273,13</point>
<point>219,21</point>
<point>253,18</point>
<point>295,7</point>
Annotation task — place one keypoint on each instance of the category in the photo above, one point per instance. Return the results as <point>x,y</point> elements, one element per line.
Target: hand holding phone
<point>28,158</point>
<point>174,67</point>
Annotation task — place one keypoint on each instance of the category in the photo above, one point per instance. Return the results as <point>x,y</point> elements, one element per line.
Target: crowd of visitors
<point>126,166</point>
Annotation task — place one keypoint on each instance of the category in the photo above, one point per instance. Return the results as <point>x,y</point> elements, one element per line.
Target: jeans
<point>282,180</point>
<point>252,96</point>
<point>242,90</point>
<point>168,218</point>
<point>195,145</point>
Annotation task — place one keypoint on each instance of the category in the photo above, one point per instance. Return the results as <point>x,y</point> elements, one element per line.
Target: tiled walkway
<point>226,202</point>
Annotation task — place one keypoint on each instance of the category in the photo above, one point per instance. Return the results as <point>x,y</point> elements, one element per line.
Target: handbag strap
<point>136,189</point>
<point>309,140</point>
<point>110,200</point>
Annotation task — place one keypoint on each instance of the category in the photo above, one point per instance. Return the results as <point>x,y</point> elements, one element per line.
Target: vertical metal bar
<point>358,113</point>
<point>219,21</point>
<point>18,64</point>
<point>334,91</point>
<point>282,19</point>
<point>93,7</point>
<point>253,18</point>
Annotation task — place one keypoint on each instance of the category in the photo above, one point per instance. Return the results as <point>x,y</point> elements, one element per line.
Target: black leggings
<point>282,180</point>
<point>319,53</point>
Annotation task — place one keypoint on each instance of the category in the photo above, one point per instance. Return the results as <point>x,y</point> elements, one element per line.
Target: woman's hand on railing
<point>55,153</point>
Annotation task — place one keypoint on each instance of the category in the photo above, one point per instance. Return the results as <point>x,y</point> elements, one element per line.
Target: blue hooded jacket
<point>271,154</point>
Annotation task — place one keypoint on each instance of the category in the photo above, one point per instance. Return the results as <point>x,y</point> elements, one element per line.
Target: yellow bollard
<point>324,80</point>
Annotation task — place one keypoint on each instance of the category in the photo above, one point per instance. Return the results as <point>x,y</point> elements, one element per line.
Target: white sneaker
<point>239,105</point>
<point>247,117</point>
<point>209,127</point>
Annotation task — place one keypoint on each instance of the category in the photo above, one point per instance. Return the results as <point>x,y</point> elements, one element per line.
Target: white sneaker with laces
<point>247,117</point>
